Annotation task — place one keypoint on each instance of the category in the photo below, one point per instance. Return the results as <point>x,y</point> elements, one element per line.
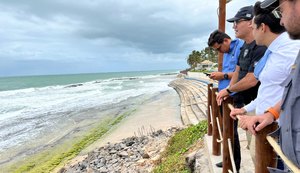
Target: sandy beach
<point>117,107</point>
<point>159,112</point>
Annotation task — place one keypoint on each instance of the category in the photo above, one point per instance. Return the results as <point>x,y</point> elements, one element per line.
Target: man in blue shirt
<point>221,42</point>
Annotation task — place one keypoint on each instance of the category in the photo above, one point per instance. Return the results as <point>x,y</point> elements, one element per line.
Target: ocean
<point>35,106</point>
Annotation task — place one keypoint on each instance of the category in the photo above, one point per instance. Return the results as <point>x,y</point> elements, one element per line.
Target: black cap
<point>243,13</point>
<point>267,3</point>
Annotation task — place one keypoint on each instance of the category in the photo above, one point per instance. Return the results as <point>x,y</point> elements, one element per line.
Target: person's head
<point>290,11</point>
<point>242,22</point>
<point>265,24</point>
<point>219,41</point>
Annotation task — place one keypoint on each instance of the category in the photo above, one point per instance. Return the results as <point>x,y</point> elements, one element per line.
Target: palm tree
<point>194,58</point>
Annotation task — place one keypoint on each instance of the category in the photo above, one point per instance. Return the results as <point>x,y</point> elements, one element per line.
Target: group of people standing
<point>261,73</point>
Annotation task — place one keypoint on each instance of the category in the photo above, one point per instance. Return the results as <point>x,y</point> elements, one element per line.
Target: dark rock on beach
<point>74,85</point>
<point>133,154</point>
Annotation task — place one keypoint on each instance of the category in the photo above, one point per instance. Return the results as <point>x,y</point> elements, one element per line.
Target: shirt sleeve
<point>258,53</point>
<point>251,106</point>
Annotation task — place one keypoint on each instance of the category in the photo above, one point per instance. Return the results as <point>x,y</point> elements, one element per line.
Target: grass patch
<point>173,158</point>
<point>201,71</point>
<point>48,160</point>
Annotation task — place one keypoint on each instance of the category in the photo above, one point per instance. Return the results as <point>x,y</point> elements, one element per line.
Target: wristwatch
<point>227,89</point>
<point>225,76</point>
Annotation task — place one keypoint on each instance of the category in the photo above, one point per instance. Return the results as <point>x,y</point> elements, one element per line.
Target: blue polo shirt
<point>230,60</point>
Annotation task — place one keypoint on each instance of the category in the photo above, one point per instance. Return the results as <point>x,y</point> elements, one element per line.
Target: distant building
<point>206,65</point>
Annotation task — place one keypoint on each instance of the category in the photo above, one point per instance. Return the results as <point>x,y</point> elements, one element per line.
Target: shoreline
<point>160,114</point>
<point>161,102</point>
<point>156,114</point>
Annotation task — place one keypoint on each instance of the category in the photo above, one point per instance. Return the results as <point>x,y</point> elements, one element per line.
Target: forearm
<point>274,111</point>
<point>247,82</point>
<point>277,106</point>
<point>230,74</point>
<point>234,78</point>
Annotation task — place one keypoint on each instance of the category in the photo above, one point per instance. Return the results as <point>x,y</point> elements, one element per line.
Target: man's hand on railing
<point>248,123</point>
<point>255,123</point>
<point>264,120</point>
<point>237,111</point>
<point>222,95</point>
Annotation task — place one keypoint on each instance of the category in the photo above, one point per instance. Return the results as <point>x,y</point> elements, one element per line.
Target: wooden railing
<point>264,152</point>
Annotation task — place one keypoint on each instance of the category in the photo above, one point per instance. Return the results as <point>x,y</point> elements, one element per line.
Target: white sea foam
<point>22,111</point>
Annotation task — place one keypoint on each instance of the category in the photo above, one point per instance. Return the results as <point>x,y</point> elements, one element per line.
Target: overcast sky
<point>64,36</point>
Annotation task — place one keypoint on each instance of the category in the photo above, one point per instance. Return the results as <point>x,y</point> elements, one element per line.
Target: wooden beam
<point>222,14</point>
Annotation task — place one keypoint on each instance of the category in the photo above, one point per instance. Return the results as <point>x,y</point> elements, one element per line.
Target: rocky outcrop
<point>134,154</point>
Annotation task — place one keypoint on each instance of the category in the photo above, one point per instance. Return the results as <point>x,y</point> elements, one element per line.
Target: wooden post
<point>264,153</point>
<point>227,133</point>
<point>215,111</point>
<point>222,14</point>
<point>209,128</point>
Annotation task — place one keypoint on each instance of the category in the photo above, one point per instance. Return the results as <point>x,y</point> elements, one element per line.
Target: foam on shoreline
<point>160,111</point>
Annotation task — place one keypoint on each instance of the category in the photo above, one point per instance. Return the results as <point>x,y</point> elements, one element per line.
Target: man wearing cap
<point>243,80</point>
<point>289,120</point>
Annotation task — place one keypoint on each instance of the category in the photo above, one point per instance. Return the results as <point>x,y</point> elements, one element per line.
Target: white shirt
<point>276,70</point>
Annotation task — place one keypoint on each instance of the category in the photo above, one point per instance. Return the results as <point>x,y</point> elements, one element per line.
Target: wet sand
<point>159,112</point>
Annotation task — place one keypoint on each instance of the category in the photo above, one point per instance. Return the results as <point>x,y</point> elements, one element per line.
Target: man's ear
<point>264,27</point>
<point>250,23</point>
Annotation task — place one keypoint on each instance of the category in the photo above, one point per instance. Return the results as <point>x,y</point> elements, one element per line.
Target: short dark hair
<point>267,17</point>
<point>217,37</point>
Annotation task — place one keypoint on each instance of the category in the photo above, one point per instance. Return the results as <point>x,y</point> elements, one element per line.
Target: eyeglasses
<point>238,21</point>
<point>276,12</point>
<point>218,48</point>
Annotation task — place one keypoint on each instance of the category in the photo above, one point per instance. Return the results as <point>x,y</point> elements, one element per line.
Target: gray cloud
<point>86,32</point>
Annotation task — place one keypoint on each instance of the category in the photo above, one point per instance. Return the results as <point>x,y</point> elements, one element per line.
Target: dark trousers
<point>236,146</point>
<point>238,102</point>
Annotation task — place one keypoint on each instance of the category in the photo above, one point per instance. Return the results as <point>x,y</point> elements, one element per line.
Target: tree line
<point>197,57</point>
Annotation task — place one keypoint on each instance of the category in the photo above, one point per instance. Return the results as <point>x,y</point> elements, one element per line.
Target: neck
<point>270,38</point>
<point>249,38</point>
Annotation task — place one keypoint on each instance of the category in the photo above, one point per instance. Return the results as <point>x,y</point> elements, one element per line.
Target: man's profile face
<point>291,17</point>
<point>222,47</point>
<point>242,28</point>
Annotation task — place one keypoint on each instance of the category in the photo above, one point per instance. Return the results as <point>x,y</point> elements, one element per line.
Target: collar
<point>282,38</point>
<point>233,44</point>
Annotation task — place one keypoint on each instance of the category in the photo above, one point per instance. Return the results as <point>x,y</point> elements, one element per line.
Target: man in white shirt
<point>273,68</point>
<point>289,106</point>
<point>276,63</point>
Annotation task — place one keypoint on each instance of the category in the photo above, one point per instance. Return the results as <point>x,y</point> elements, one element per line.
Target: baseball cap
<point>267,3</point>
<point>243,13</point>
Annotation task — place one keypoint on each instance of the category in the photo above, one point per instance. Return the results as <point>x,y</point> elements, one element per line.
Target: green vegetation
<point>173,159</point>
<point>197,57</point>
<point>201,71</point>
<point>48,160</point>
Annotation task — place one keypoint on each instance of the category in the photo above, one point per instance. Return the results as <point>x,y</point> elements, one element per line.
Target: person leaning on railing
<point>222,43</point>
<point>288,109</point>
<point>243,81</point>
<point>273,68</point>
